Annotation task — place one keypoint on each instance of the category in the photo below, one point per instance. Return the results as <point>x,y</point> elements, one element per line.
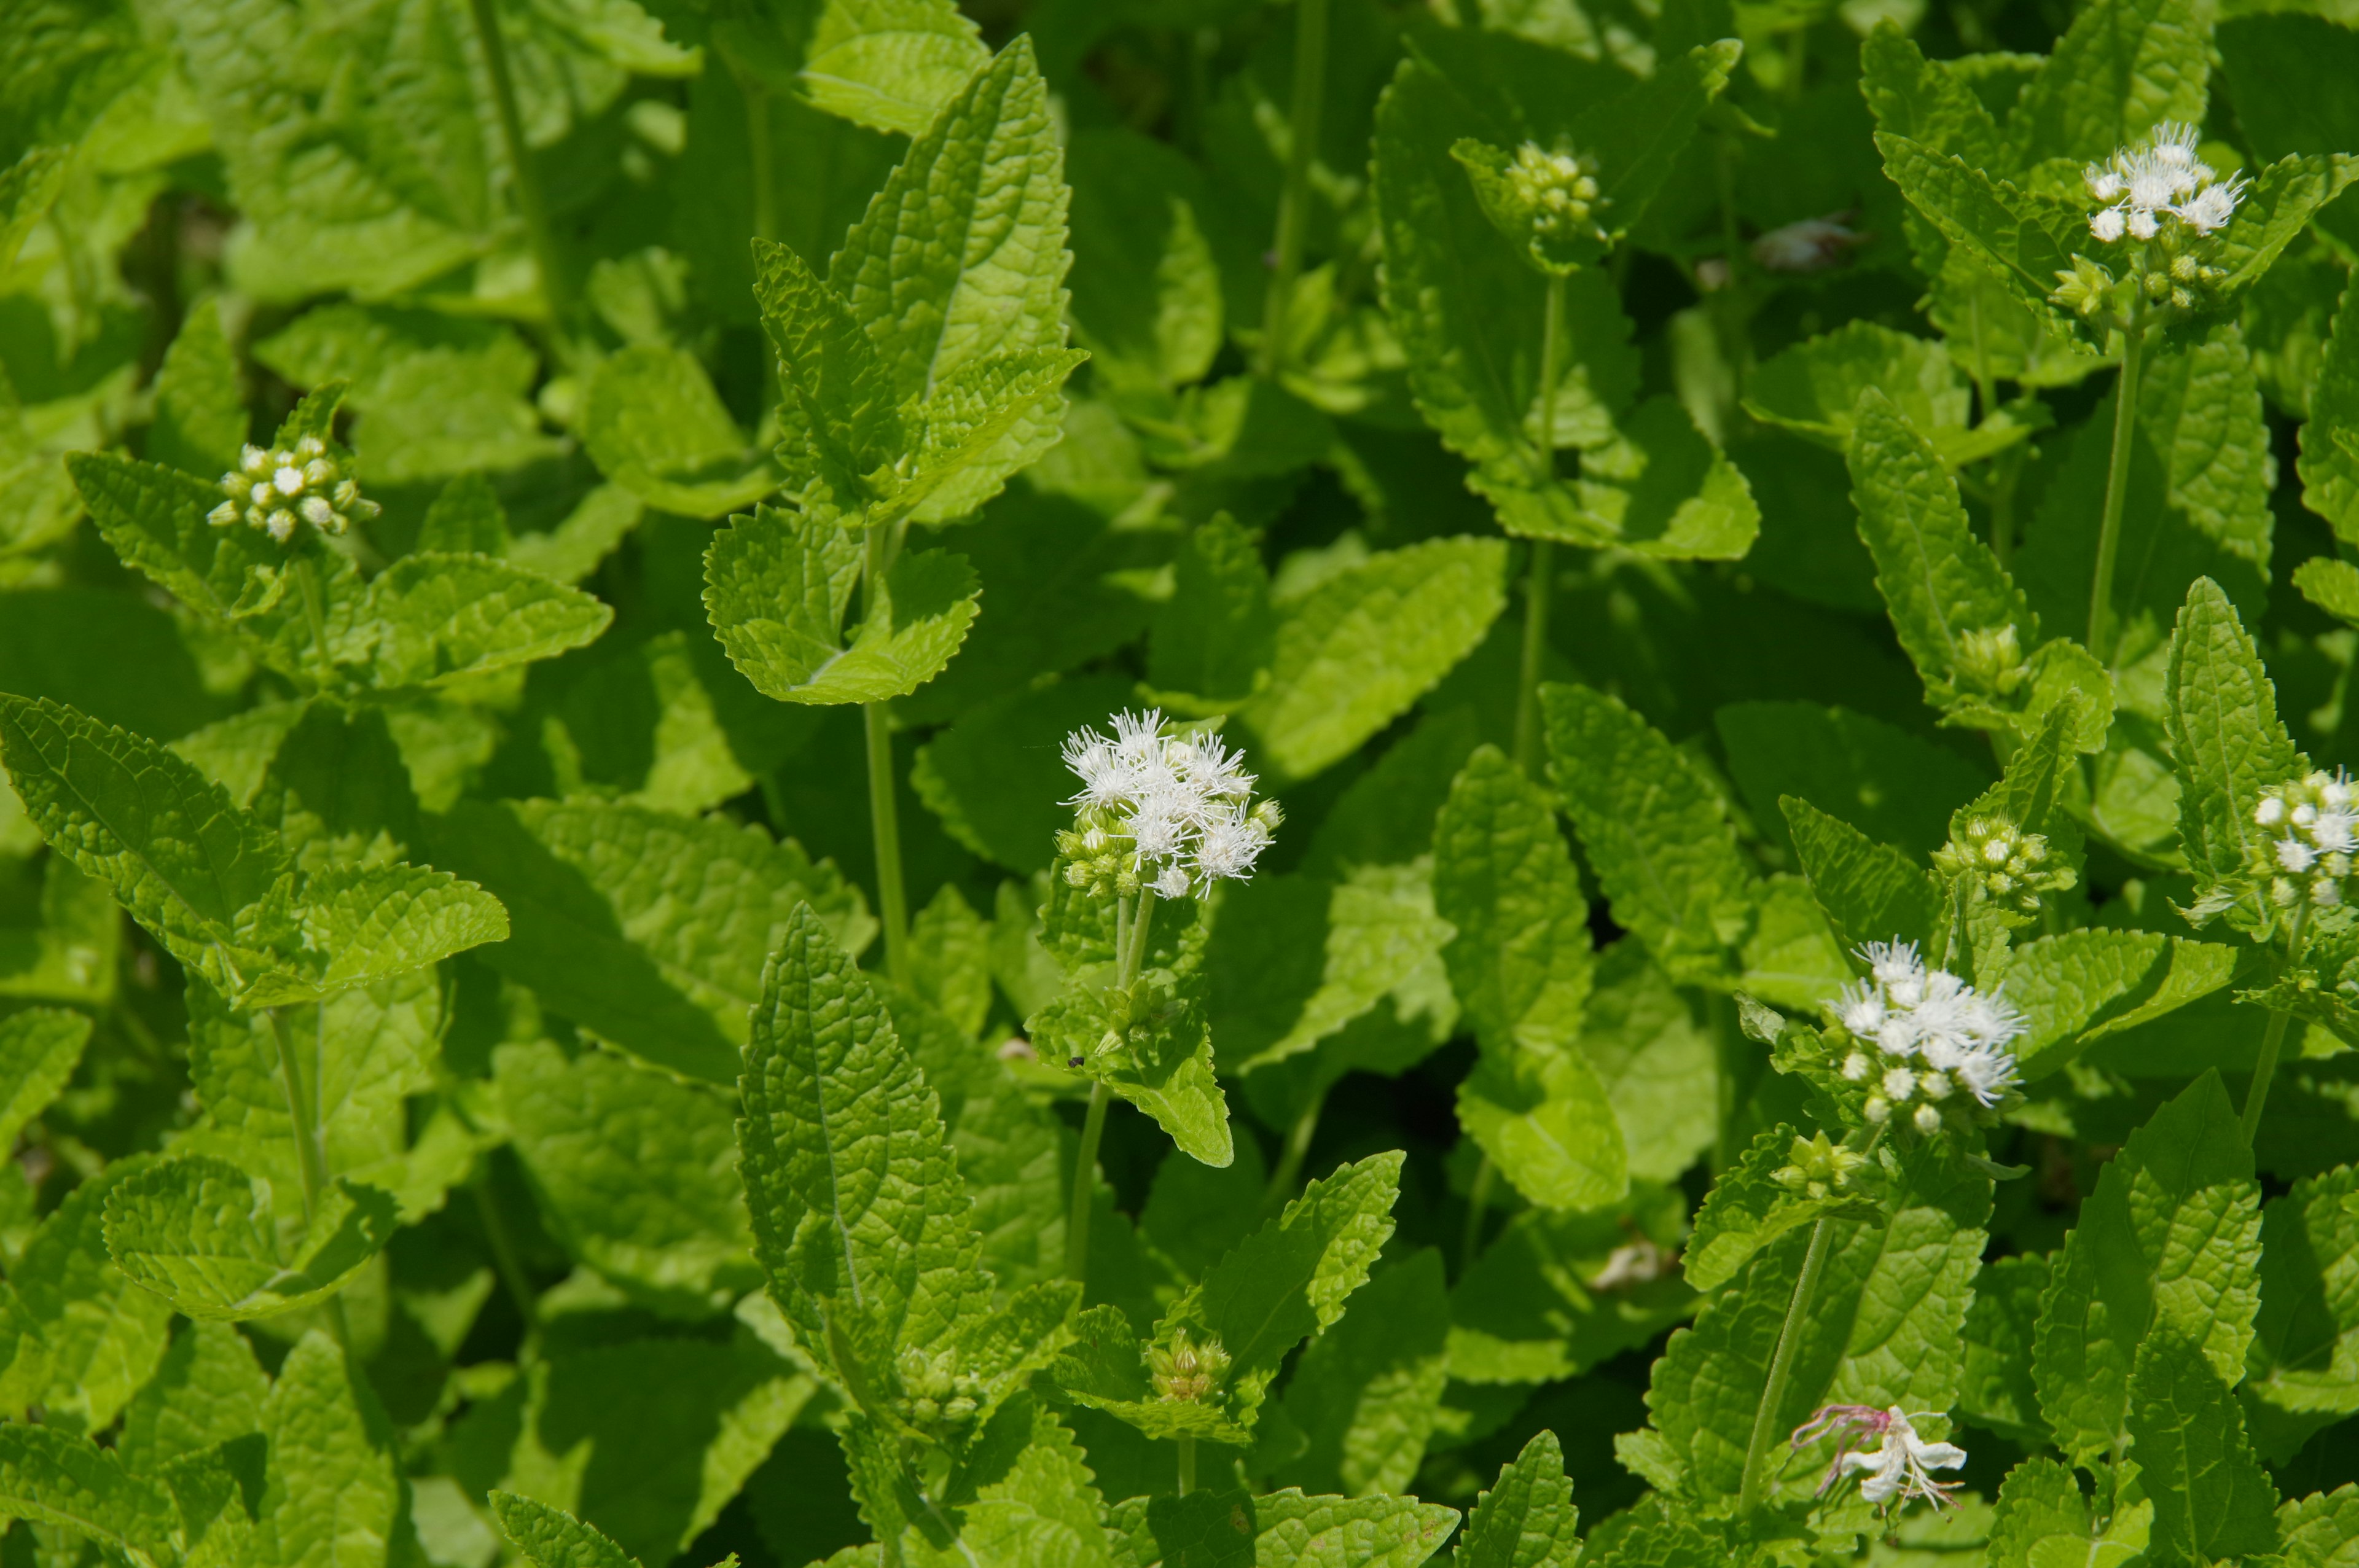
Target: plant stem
<point>1478,1205</point>
<point>555,286</point>
<point>1293,202</point>
<point>505,1261</point>
<point>1085,1182</point>
<point>1782,1366</point>
<point>1539,576</point>
<point>2264,1068</point>
<point>2117,484</point>
<point>1297,1145</point>
<point>883,810</point>
<point>1186,1463</point>
<point>310,1160</point>
<point>307,582</point>
<point>758,155</point>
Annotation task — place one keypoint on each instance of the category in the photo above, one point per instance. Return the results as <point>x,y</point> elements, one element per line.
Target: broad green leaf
<point>1637,138</point>
<point>431,619</point>
<point>1146,293</point>
<point>654,424</point>
<point>1748,1208</point>
<point>1210,643</point>
<point>1665,491</point>
<point>1813,387</point>
<point>1890,785</point>
<point>777,587</point>
<point>891,65</point>
<point>644,1441</point>
<point>2276,209</point>
<point>1104,1368</point>
<point>1870,891</point>
<point>155,518</point>
<point>1998,1393</point>
<point>1298,1532</point>
<point>2043,1520</point>
<point>199,410</point>
<point>1652,1055</point>
<point>2317,1531</point>
<point>1529,1519</point>
<point>57,1477</point>
<point>962,255</point>
<point>356,925</point>
<point>2302,1372</point>
<point>1151,1045</point>
<point>636,1170</point>
<point>209,1390</point>
<point>1367,1392</point>
<point>1928,103</point>
<point>28,188</point>
<point>997,777</point>
<point>552,1538</point>
<point>1654,829</point>
<point>2123,66</point>
<point>2228,744</point>
<point>1884,1331</point>
<point>2212,1498</point>
<point>2329,469</point>
<point>38,1049</point>
<point>1355,651</point>
<point>840,402</point>
<point>2330,584</point>
<point>1290,1278</point>
<point>1557,1294</point>
<point>648,928</point>
<point>1943,587</point>
<point>103,1336</point>
<point>1025,1496</point>
<point>199,1233</point>
<point>857,1206</point>
<point>331,1497</point>
<point>2078,987</point>
<point>2165,1246</point>
<point>1546,1122</point>
<point>1502,874</point>
<point>2020,239</point>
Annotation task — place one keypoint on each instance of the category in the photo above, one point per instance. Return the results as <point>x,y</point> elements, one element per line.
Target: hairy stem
<point>1781,1367</point>
<point>883,810</point>
<point>555,286</point>
<point>1478,1205</point>
<point>1293,215</point>
<point>2117,484</point>
<point>1086,1181</point>
<point>1187,1464</point>
<point>1131,957</point>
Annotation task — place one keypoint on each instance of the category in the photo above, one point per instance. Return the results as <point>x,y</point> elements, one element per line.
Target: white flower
<point>2270,812</point>
<point>1163,812</point>
<point>2141,185</point>
<point>1930,1034</point>
<point>1899,1467</point>
<point>275,490</point>
<point>1171,881</point>
<point>1899,1083</point>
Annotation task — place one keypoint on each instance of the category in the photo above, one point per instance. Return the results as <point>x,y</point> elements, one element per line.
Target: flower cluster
<point>1898,1467</point>
<point>1819,1168</point>
<point>1186,1372</point>
<point>1556,190</point>
<point>1925,1038</point>
<point>276,489</point>
<point>1171,812</point>
<point>2162,179</point>
<point>2314,824</point>
<point>1991,662</point>
<point>2003,862</point>
<point>935,1397</point>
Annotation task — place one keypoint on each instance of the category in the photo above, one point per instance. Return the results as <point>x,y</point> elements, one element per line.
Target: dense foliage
<point>1187,782</point>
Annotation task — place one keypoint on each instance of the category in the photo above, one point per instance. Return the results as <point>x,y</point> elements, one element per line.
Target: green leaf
<point>1146,294</point>
<point>1355,651</point>
<point>209,1390</point>
<point>1298,1531</point>
<point>103,1336</point>
<point>2331,584</point>
<point>2278,208</point>
<point>198,1232</point>
<point>431,619</point>
<point>1151,1045</point>
<point>1290,1278</point>
<point>1365,1393</point>
<point>2078,987</point>
<point>38,1048</point>
<point>28,188</point>
<point>200,419</point>
<point>891,65</point>
<point>1747,1209</point>
<point>2302,1372</point>
<point>778,585</point>
<point>355,925</point>
<point>648,928</point>
<point>857,1206</point>
<point>1654,829</point>
<point>997,778</point>
<point>2316,1532</point>
<point>840,402</point>
<point>1813,387</point>
<point>2228,744</point>
<point>1666,492</point>
<point>1210,643</point>
<point>2165,1246</point>
<point>1998,1394</point>
<point>1527,1519</point>
<point>635,1173</point>
<point>2020,239</point>
<point>332,1495</point>
<point>1929,103</point>
<point>1557,1294</point>
<point>1503,875</point>
<point>653,423</point>
<point>1890,785</point>
<point>2212,1498</point>
<point>552,1538</point>
<point>2329,469</point>
<point>1870,891</point>
<point>1884,1331</point>
<point>962,255</point>
<point>154,517</point>
<point>2042,1520</point>
<point>1546,1123</point>
<point>2123,66</point>
<point>1650,1053</point>
<point>58,1478</point>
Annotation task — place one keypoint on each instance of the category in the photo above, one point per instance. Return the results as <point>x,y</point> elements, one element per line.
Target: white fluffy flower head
<point>2143,186</point>
<point>280,488</point>
<point>1923,1035</point>
<point>1171,812</point>
<point>2314,834</point>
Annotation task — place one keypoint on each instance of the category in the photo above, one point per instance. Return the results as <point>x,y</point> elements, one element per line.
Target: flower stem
<point>883,811</point>
<point>555,286</point>
<point>1086,1181</point>
<point>310,1160</point>
<point>1131,957</point>
<point>1186,1463</point>
<point>1293,202</point>
<point>1539,577</point>
<point>1781,1367</point>
<point>1478,1205</point>
<point>2265,1067</point>
<point>307,582</point>
<point>2117,484</point>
